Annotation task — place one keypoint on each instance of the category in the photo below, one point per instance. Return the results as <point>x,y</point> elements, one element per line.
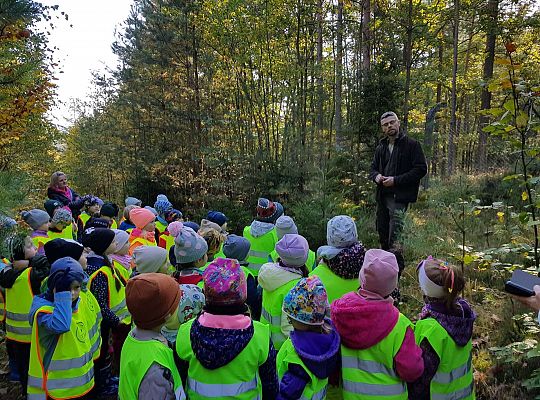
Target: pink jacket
<point>362,323</point>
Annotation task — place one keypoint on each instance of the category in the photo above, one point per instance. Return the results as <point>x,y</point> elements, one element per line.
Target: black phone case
<point>521,283</point>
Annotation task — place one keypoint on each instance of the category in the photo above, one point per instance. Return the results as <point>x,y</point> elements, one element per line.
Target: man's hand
<point>378,179</point>
<point>533,302</point>
<point>388,181</point>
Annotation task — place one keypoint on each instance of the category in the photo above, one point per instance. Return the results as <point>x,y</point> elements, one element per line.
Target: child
<point>262,233</point>
<point>148,259</point>
<point>132,201</point>
<point>311,354</point>
<point>218,218</point>
<point>126,224</point>
<point>285,225</point>
<point>224,352</point>
<point>109,211</point>
<point>214,239</point>
<point>166,240</point>
<point>276,279</point>
<point>59,248</point>
<point>61,225</point>
<point>237,247</point>
<point>444,333</point>
<point>107,287</point>
<point>190,306</point>
<point>378,351</point>
<point>61,356</point>
<point>121,260</point>
<point>341,259</point>
<point>39,222</point>
<point>148,370</point>
<point>144,232</point>
<point>162,206</point>
<point>21,280</point>
<point>91,208</point>
<point>188,255</point>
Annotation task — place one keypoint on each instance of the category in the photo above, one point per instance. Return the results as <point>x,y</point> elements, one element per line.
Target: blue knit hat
<point>193,225</point>
<point>162,204</point>
<point>62,266</point>
<point>307,301</point>
<point>217,217</point>
<point>236,247</point>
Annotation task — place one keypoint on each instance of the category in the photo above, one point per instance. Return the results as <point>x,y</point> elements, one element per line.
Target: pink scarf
<point>124,260</point>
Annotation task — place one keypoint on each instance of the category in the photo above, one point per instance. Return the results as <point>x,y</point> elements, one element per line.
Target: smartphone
<point>521,283</point>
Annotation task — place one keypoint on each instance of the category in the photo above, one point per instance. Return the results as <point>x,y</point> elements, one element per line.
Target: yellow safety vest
<point>369,373</point>
<point>454,376</point>
<point>70,372</point>
<point>160,226</point>
<point>335,285</point>
<point>18,302</point>
<point>94,317</point>
<point>117,297</point>
<point>260,248</point>
<point>239,379</point>
<point>272,309</point>
<point>123,272</point>
<point>136,358</point>
<point>39,241</point>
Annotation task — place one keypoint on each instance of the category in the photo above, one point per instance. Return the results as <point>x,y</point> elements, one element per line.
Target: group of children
<point>162,308</point>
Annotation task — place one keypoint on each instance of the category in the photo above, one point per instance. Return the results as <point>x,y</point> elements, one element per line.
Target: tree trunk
<point>366,36</point>
<point>407,60</point>
<point>339,76</point>
<point>453,117</point>
<point>485,99</point>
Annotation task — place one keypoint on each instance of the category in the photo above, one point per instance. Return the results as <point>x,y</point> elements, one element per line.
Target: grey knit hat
<point>35,218</point>
<point>285,225</point>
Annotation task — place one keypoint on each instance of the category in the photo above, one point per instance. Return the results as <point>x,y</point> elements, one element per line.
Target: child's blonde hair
<point>449,276</point>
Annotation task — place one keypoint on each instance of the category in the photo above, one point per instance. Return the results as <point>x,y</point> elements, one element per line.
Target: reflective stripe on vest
<point>272,310</point>
<point>460,394</point>
<point>70,372</point>
<point>137,357</point>
<point>239,379</point>
<point>370,372</point>
<point>18,302</point>
<point>315,388</point>
<point>261,247</point>
<point>221,390</point>
<point>117,297</point>
<point>454,377</point>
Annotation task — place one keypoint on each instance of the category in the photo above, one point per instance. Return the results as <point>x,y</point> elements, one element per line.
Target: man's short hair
<point>388,114</point>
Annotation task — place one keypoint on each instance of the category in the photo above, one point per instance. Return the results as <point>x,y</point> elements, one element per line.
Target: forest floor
<point>505,356</point>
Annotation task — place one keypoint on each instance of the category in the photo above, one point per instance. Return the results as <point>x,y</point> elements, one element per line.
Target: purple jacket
<point>320,354</point>
<point>459,325</point>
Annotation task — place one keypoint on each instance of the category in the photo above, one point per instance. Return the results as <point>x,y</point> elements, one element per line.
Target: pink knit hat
<point>379,273</point>
<point>141,217</point>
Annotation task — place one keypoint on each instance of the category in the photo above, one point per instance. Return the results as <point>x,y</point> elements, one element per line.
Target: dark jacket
<point>216,347</point>
<point>40,270</point>
<point>410,167</point>
<point>320,354</point>
<point>75,204</point>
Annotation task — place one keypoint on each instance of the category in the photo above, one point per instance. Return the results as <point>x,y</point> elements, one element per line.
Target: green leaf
<point>509,105</point>
<point>511,177</point>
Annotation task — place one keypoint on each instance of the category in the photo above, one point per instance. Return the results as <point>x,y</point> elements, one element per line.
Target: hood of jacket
<point>217,347</point>
<point>318,351</point>
<point>458,323</point>
<point>258,228</point>
<point>363,323</point>
<point>272,276</point>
